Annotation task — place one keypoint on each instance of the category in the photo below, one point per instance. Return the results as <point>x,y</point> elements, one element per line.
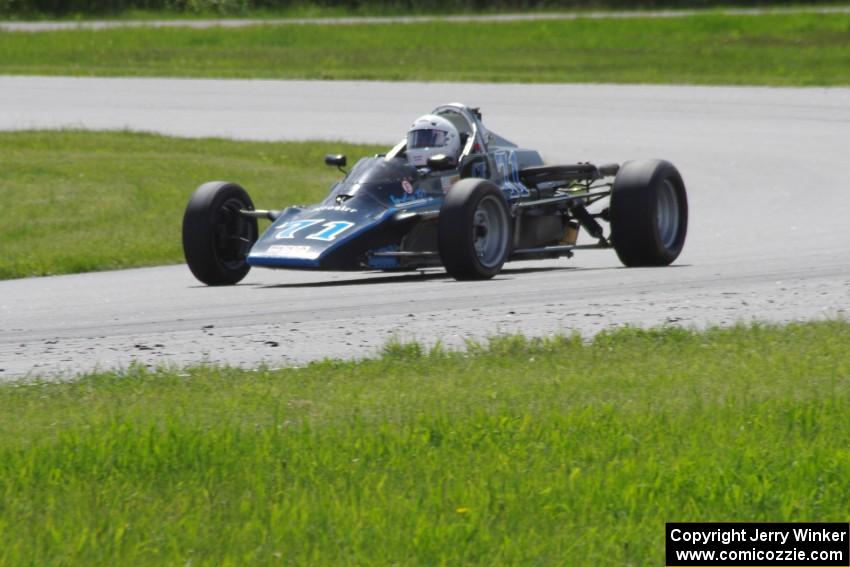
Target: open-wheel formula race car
<point>420,206</point>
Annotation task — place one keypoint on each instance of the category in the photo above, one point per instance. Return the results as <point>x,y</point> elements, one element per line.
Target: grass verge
<point>790,49</point>
<point>83,201</point>
<point>520,452</point>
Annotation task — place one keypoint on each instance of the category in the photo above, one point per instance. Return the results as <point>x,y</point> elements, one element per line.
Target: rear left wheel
<point>216,237</point>
<point>649,213</point>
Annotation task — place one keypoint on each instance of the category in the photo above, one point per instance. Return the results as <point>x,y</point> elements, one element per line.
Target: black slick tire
<point>216,238</point>
<point>648,213</point>
<point>474,230</point>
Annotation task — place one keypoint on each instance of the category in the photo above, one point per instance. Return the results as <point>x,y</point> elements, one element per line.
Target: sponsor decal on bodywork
<point>418,195</point>
<point>291,251</point>
<point>335,208</point>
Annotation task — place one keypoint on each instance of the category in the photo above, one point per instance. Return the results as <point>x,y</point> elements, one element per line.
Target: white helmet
<point>431,135</point>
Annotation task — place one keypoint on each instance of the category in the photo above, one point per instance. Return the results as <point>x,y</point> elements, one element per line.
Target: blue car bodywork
<point>369,218</point>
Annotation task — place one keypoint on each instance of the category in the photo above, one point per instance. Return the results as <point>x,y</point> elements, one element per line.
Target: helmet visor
<point>426,139</point>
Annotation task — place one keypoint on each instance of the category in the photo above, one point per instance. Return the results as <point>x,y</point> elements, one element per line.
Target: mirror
<point>335,159</point>
<point>441,162</point>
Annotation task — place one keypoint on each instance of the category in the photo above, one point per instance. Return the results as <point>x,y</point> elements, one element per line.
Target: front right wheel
<point>474,230</point>
<point>648,213</point>
<point>216,236</point>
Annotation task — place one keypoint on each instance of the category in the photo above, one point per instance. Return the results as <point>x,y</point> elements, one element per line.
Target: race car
<point>450,194</point>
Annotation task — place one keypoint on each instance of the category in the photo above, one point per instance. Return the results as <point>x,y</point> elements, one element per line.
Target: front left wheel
<point>474,230</point>
<point>216,237</point>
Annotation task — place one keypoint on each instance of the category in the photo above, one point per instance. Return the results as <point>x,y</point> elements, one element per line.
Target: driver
<point>431,135</point>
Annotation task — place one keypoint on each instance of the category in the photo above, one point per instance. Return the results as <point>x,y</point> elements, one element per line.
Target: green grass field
<point>523,452</point>
<point>801,49</point>
<point>83,201</point>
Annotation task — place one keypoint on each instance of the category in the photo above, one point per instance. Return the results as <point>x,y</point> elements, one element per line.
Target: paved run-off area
<point>766,171</point>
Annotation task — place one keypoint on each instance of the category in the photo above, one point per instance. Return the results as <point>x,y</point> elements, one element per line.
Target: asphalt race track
<point>769,240</point>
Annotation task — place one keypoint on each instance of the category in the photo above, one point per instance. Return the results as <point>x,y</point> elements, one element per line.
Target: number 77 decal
<point>330,230</point>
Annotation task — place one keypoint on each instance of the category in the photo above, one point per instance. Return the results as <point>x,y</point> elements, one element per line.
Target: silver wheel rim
<point>490,231</point>
<point>667,214</point>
